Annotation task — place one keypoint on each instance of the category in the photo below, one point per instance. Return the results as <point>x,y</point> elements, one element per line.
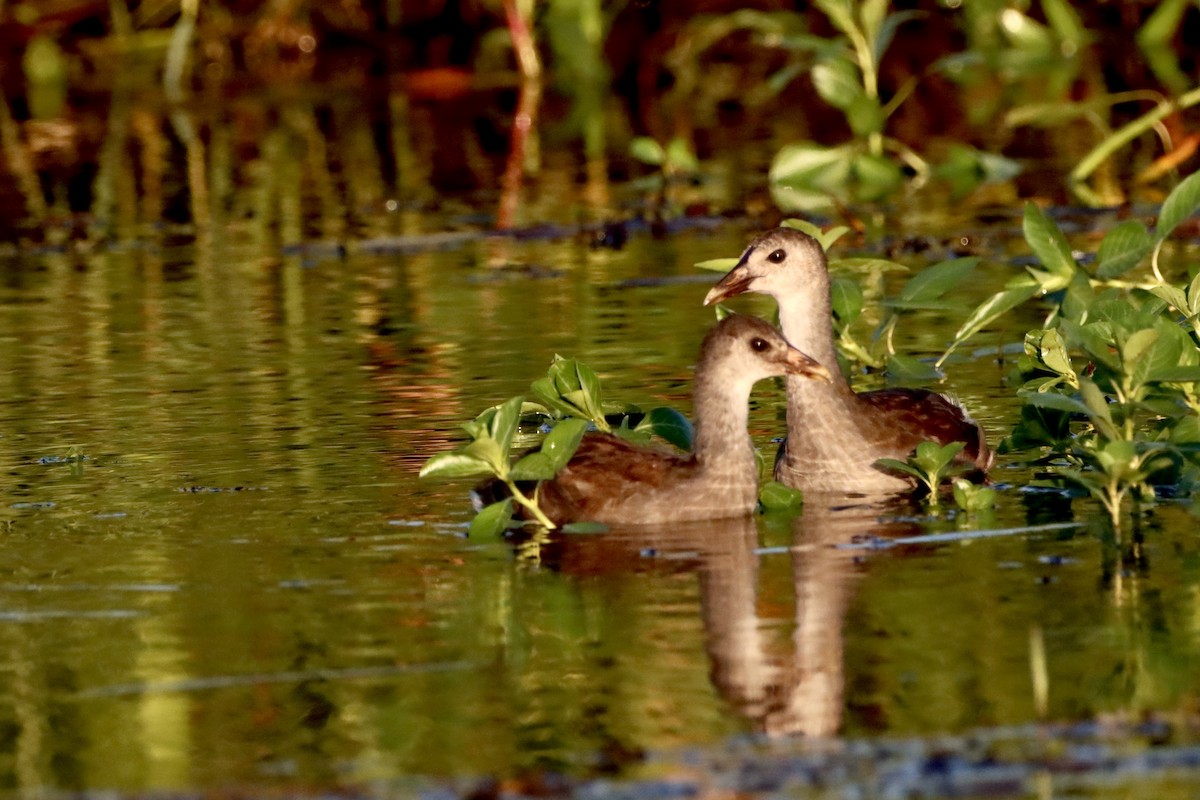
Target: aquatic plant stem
<point>1103,151</point>
<point>530,504</point>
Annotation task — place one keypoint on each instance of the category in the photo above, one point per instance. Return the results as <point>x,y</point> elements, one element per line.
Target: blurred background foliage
<point>831,104</point>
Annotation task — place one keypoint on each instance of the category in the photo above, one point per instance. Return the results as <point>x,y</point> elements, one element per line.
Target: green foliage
<point>775,497</point>
<point>488,454</point>
<point>930,465</point>
<point>974,498</point>
<point>1110,384</point>
<point>571,395</point>
<point>572,389</point>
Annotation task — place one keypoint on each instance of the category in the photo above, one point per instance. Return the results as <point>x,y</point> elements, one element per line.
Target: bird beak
<point>736,281</point>
<point>798,363</point>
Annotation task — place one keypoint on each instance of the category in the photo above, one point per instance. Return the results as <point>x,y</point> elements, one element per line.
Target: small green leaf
<point>584,527</point>
<point>717,264</point>
<point>560,444</point>
<point>824,238</point>
<point>668,424</point>
<point>1172,295</point>
<point>899,466</point>
<point>1123,249</point>
<point>934,281</point>
<point>681,158</point>
<point>908,368</point>
<point>1053,353</point>
<point>454,465</point>
<point>775,496</point>
<point>504,423</point>
<point>492,520</point>
<point>972,497</point>
<point>1098,410</point>
<point>878,176</point>
<point>647,151</point>
<point>536,466</point>
<point>809,165</point>
<point>1181,203</point>
<point>933,458</point>
<point>593,402</point>
<point>1050,247</point>
<point>847,299</point>
<point>490,452</point>
<point>1017,292</point>
<point>1055,401</point>
<point>838,82</point>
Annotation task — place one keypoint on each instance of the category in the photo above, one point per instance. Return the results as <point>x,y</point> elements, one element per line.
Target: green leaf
<point>847,299</point>
<point>775,496</point>
<point>972,496</point>
<point>592,399</point>
<point>900,466</point>
<point>492,520</point>
<point>933,282</point>
<point>878,176</point>
<point>1017,292</point>
<point>1055,401</point>
<point>1123,248</point>
<point>887,31</point>
<point>1053,353</point>
<point>1050,247</point>
<point>1098,410</point>
<point>1172,295</point>
<point>865,116</point>
<point>584,527</point>
<point>681,158</point>
<point>824,238</point>
<point>1066,23</point>
<point>908,368</point>
<point>536,466</point>
<point>562,442</point>
<point>503,425</point>
<point>1181,203</point>
<point>490,452</point>
<point>718,264</point>
<point>647,151</point>
<point>838,81</point>
<point>934,458</point>
<point>454,465</point>
<point>668,424</point>
<point>811,165</point>
<point>1138,346</point>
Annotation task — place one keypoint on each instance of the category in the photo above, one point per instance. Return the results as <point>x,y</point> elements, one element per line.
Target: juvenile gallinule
<point>835,436</point>
<point>613,481</point>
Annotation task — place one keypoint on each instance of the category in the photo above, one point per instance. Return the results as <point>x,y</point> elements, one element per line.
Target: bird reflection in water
<point>780,692</point>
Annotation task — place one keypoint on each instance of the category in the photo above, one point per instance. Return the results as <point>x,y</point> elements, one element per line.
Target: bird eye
<point>758,345</point>
<point>777,257</point>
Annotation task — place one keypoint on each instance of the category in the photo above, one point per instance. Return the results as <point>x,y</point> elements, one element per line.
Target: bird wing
<point>922,415</point>
<point>606,471</point>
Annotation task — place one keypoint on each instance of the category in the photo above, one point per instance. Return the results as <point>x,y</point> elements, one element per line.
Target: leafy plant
<point>488,454</point>
<point>930,464</point>
<point>973,498</point>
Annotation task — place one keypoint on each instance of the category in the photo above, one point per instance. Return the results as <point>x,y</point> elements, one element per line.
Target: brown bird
<point>835,436</point>
<point>613,481</point>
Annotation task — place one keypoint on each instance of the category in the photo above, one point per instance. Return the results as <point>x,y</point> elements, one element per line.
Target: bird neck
<point>806,318</point>
<point>720,405</point>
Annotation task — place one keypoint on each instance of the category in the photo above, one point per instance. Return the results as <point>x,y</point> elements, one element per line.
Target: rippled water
<point>220,569</point>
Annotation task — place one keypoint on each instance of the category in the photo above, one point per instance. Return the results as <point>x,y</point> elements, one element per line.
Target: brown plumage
<point>613,481</point>
<point>835,436</point>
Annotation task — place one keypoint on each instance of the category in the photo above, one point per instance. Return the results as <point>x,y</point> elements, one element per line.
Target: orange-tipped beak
<point>799,363</point>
